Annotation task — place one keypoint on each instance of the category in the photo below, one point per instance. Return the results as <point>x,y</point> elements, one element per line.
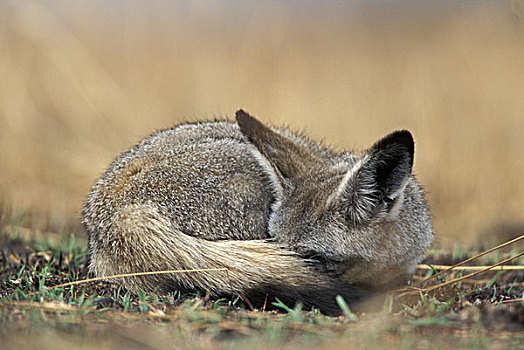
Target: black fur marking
<point>309,296</point>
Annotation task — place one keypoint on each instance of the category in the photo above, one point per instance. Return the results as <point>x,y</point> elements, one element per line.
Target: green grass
<point>29,270</point>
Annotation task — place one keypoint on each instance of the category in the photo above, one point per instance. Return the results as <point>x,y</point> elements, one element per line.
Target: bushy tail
<point>139,239</point>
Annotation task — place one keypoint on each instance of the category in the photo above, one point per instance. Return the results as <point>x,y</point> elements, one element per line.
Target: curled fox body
<point>287,217</point>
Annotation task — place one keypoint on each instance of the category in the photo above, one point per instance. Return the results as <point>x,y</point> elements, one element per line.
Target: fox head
<point>353,213</point>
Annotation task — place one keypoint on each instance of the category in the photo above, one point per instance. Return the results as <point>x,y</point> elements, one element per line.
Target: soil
<point>481,301</point>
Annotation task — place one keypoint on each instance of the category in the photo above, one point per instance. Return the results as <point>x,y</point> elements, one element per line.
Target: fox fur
<point>287,217</point>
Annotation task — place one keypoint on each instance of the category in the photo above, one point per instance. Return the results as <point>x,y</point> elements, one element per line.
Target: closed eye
<point>312,255</point>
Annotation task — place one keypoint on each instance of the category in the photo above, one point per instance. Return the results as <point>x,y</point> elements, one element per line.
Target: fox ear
<point>379,178</point>
<point>290,159</point>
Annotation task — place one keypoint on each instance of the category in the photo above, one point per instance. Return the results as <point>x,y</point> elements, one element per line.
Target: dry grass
<point>37,309</point>
<point>81,82</point>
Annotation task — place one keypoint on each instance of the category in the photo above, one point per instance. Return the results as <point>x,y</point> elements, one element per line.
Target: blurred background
<point>82,81</point>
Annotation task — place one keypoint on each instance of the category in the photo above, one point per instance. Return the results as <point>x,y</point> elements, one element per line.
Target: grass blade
<point>345,309</point>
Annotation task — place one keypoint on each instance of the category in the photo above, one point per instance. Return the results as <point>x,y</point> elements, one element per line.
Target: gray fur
<point>288,217</point>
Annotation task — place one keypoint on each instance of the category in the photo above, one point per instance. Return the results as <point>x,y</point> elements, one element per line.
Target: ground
<point>485,312</point>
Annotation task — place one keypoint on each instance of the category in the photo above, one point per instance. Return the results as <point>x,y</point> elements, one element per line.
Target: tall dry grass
<point>82,81</point>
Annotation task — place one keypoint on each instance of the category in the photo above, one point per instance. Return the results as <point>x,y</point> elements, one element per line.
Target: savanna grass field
<point>81,82</point>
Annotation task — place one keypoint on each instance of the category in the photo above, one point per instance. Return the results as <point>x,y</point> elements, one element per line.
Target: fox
<point>287,217</point>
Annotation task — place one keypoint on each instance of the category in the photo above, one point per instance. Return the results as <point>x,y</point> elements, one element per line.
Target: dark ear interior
<point>391,161</point>
<point>380,178</point>
<point>284,154</point>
